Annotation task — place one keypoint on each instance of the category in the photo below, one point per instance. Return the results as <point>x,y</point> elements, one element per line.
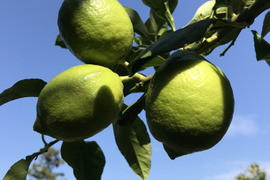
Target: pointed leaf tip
<point>86,159</point>
<point>134,143</point>
<point>19,170</point>
<point>262,47</point>
<point>23,88</point>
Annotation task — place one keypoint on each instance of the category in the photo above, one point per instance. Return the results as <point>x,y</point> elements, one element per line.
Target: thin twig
<point>43,140</point>
<point>44,149</point>
<point>145,81</point>
<point>230,45</point>
<point>138,86</point>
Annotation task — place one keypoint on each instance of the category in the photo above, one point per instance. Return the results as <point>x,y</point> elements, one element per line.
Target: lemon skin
<point>189,105</point>
<point>96,31</point>
<point>79,102</point>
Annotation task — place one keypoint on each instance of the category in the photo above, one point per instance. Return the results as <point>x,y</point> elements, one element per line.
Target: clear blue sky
<point>27,35</point>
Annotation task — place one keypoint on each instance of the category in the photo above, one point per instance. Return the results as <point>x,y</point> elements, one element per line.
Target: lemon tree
<point>188,101</point>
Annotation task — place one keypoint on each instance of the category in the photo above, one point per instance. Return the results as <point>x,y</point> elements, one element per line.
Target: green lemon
<point>96,31</point>
<point>189,104</point>
<point>79,102</point>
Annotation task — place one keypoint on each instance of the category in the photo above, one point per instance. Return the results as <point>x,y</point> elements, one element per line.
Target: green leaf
<point>122,70</point>
<point>266,24</point>
<point>180,38</point>
<point>210,9</point>
<point>134,143</point>
<point>205,11</point>
<point>168,15</point>
<point>130,113</point>
<point>155,62</point>
<point>262,47</point>
<point>23,88</point>
<point>159,6</point>
<point>86,159</point>
<point>220,3</point>
<point>138,25</point>
<point>19,170</point>
<point>154,25</point>
<point>59,42</point>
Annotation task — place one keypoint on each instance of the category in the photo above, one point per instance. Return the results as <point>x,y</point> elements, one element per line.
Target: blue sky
<point>27,35</point>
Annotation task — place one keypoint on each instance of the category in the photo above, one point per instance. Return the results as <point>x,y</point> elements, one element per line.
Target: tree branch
<point>45,149</point>
<point>247,17</point>
<point>252,12</point>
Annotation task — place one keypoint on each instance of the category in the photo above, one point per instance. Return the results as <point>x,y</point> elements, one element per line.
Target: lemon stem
<point>146,80</point>
<point>45,149</point>
<point>43,140</point>
<point>141,82</point>
<point>136,76</point>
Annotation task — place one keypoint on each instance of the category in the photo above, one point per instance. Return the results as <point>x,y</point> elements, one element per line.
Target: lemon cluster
<point>83,100</point>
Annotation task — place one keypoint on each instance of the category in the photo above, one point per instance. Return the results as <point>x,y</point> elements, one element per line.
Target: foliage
<point>252,173</point>
<point>86,159</point>
<point>215,23</point>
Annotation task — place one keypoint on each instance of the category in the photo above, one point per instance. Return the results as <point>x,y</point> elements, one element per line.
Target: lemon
<point>79,102</point>
<point>96,31</point>
<point>189,104</point>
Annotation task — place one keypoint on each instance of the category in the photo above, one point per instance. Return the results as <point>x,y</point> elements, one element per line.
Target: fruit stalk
<point>135,83</point>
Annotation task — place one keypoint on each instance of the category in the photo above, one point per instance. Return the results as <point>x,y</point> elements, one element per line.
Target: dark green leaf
<point>155,62</point>
<point>130,113</point>
<point>59,42</point>
<point>122,70</point>
<point>134,53</point>
<point>138,25</point>
<point>134,143</point>
<point>86,159</point>
<point>19,170</point>
<point>220,3</point>
<point>154,24</point>
<point>23,88</point>
<point>262,47</point>
<point>266,24</point>
<point>187,35</point>
<point>159,6</point>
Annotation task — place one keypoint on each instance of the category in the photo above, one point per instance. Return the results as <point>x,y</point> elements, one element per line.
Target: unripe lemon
<point>189,104</point>
<point>96,31</point>
<point>79,102</point>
